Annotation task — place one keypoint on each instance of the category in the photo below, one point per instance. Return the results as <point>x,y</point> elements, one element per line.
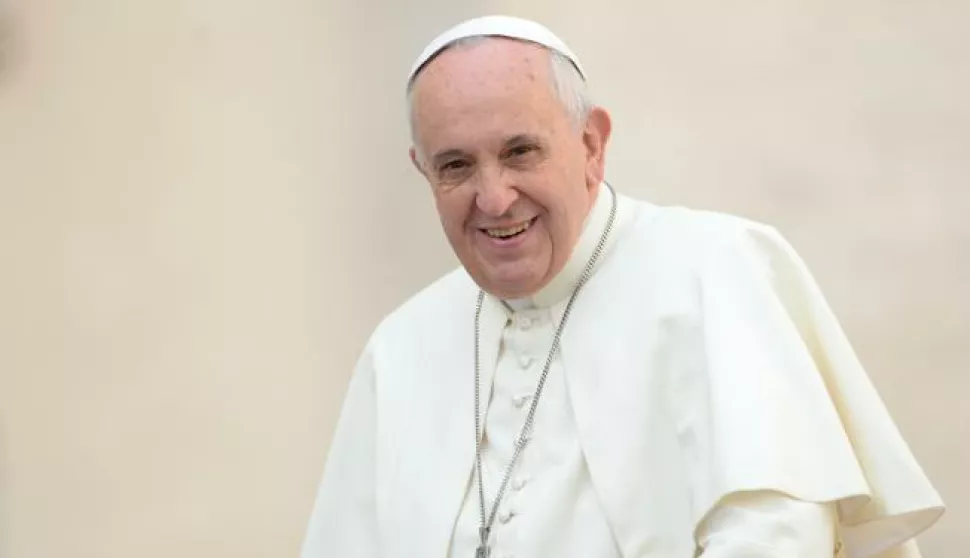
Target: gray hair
<point>567,83</point>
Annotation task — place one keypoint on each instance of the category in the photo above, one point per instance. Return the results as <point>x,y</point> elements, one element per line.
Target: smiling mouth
<point>509,232</point>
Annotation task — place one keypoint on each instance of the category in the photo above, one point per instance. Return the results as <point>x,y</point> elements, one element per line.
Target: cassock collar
<point>561,286</point>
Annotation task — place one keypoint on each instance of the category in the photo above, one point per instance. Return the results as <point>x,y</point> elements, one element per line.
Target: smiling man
<point>602,377</point>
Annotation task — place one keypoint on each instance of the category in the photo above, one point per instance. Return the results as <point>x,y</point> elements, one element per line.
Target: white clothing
<point>550,507</point>
<point>703,398</point>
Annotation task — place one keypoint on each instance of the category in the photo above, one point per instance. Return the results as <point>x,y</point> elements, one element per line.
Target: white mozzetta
<point>701,363</point>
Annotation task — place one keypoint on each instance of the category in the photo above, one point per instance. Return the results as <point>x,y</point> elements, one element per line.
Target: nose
<point>495,194</point>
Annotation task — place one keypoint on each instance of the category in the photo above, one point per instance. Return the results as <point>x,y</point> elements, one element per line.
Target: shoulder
<point>693,236</point>
<point>429,311</point>
<point>701,228</point>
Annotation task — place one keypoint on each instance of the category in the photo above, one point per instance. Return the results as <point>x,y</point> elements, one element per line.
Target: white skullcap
<point>496,26</point>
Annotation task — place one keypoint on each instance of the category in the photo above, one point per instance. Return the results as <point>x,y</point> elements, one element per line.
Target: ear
<point>413,153</point>
<point>595,137</point>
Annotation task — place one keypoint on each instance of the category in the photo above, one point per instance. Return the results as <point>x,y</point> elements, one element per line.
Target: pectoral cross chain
<point>483,551</point>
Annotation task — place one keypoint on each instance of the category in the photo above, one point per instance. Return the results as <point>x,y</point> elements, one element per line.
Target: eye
<point>521,150</point>
<point>454,165</point>
<point>454,171</point>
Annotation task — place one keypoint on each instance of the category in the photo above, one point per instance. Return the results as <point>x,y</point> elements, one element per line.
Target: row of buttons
<point>517,485</point>
<point>525,361</point>
<point>523,323</point>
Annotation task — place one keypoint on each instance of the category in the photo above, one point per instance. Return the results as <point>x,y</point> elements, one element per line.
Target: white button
<point>525,361</point>
<point>525,323</point>
<point>519,483</point>
<point>520,400</point>
<point>506,516</point>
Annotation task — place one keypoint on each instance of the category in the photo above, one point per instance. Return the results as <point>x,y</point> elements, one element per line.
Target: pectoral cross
<point>483,551</point>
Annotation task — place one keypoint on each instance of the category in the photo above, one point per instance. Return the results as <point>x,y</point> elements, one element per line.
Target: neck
<point>561,286</point>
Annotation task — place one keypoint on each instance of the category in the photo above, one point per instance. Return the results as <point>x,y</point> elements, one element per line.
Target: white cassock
<point>704,402</point>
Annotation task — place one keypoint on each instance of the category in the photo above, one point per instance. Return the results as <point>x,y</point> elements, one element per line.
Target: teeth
<point>505,233</point>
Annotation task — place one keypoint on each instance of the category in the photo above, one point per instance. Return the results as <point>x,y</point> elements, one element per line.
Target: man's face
<point>513,176</point>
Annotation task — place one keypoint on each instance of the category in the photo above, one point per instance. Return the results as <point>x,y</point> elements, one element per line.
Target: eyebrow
<point>511,141</point>
<point>520,139</point>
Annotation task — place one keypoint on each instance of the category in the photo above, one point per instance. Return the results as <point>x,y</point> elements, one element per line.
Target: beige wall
<point>205,207</point>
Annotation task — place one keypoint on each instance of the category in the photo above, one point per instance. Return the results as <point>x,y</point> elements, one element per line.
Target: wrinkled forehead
<point>507,54</point>
<point>483,66</point>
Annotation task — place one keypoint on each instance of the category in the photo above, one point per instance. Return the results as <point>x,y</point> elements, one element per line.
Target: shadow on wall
<point>4,502</point>
<point>8,35</point>
<point>8,62</point>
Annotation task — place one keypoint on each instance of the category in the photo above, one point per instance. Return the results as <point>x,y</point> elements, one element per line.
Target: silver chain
<point>523,438</point>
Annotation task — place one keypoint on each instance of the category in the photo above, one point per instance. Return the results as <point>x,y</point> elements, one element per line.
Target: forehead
<point>478,57</point>
<point>489,84</point>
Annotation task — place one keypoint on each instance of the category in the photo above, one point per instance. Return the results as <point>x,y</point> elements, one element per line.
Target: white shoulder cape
<point>701,359</point>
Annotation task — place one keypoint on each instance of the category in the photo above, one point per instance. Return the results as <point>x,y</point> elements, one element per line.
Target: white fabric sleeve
<point>784,404</point>
<point>766,524</point>
<point>344,518</point>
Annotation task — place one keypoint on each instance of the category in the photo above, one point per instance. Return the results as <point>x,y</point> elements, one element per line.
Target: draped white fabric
<point>704,395</point>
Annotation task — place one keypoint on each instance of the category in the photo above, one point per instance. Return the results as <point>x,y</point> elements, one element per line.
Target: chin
<point>510,287</point>
<point>509,279</point>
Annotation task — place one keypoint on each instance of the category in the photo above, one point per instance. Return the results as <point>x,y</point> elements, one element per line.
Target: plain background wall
<point>205,206</point>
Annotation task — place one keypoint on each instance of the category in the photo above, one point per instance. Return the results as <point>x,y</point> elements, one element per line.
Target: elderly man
<point>602,377</point>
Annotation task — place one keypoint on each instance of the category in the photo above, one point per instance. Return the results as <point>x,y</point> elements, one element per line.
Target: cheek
<point>453,210</point>
<point>566,211</point>
<point>559,202</point>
